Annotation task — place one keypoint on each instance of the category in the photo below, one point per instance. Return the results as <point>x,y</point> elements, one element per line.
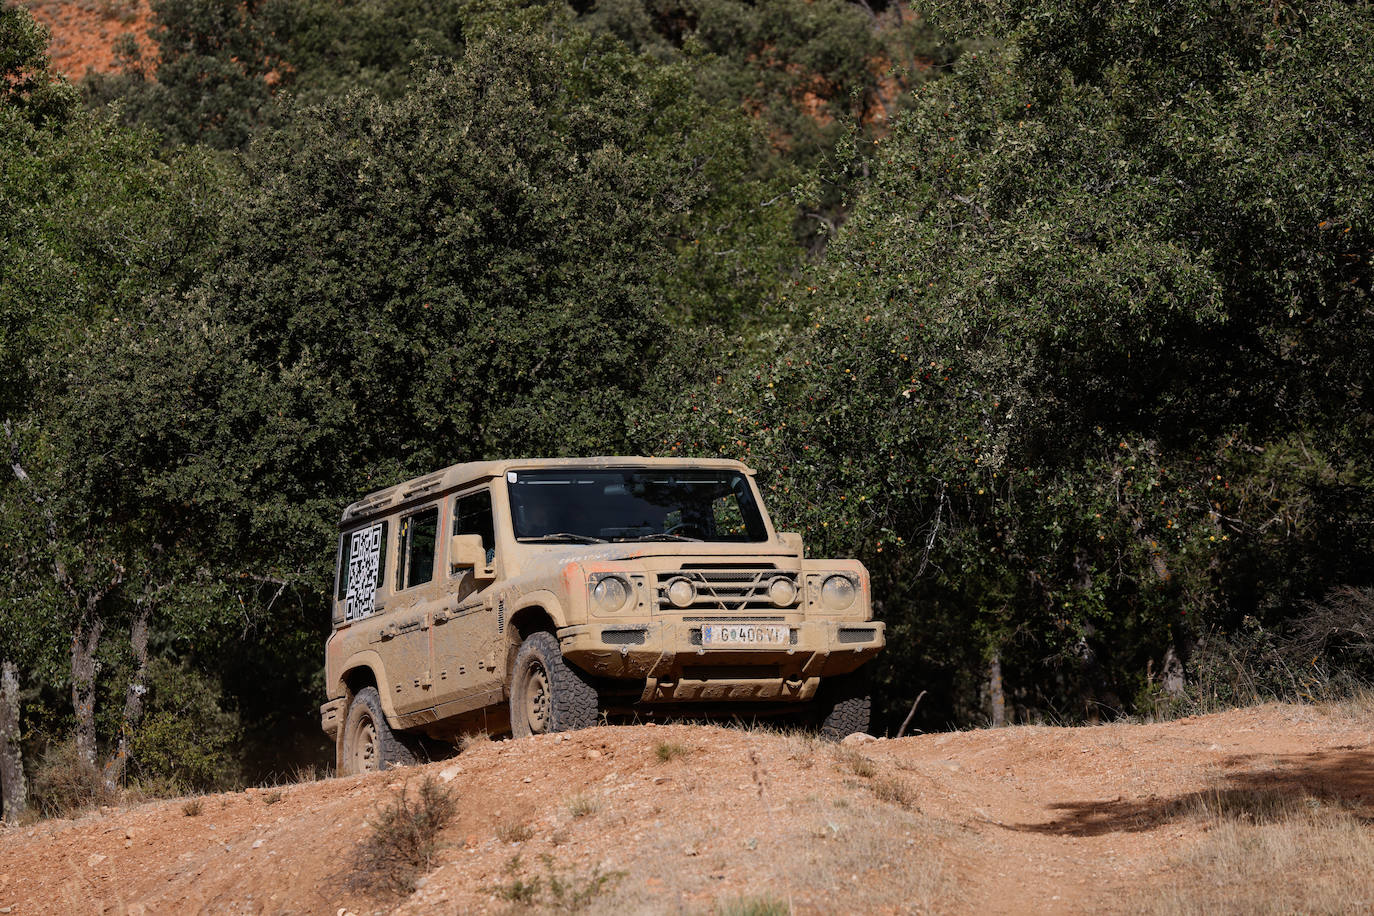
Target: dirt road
<point>702,819</point>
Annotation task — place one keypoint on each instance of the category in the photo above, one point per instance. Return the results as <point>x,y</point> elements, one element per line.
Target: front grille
<point>624,637</point>
<point>855,634</point>
<point>728,589</point>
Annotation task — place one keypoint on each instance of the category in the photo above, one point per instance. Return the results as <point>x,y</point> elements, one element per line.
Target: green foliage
<point>213,77</point>
<point>187,740</point>
<point>28,89</point>
<point>1095,340</point>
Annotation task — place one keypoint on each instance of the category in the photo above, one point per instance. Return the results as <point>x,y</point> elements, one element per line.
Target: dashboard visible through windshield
<point>598,506</point>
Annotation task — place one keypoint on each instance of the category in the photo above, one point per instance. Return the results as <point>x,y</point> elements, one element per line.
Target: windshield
<point>587,506</point>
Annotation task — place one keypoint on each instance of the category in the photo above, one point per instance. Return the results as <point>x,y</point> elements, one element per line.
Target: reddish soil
<point>1027,819</point>
<point>84,32</point>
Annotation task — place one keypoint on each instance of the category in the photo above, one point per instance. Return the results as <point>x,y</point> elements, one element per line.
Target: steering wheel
<point>681,526</point>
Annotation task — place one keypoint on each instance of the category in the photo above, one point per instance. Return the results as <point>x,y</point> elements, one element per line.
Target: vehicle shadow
<point>1254,788</point>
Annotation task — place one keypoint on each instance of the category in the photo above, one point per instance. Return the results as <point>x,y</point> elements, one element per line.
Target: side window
<point>362,569</point>
<point>472,515</point>
<point>419,532</point>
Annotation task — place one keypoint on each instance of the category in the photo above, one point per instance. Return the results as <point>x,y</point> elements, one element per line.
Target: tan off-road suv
<point>536,596</point>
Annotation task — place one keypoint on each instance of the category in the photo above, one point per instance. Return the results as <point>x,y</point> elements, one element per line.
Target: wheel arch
<point>365,669</point>
<point>538,613</point>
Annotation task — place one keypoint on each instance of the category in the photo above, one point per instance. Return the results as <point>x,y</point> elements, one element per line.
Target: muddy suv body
<point>531,596</point>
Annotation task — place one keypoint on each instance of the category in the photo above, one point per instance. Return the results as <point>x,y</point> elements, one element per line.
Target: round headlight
<point>782,591</point>
<point>610,594</point>
<point>681,592</point>
<point>837,593</point>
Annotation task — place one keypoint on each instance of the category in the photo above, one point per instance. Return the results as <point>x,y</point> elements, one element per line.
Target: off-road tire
<point>369,745</point>
<point>547,694</point>
<point>844,706</point>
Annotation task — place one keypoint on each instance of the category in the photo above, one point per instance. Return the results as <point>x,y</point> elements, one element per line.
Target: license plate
<point>743,635</point>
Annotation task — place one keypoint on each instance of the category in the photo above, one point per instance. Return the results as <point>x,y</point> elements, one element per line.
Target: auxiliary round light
<point>610,594</point>
<point>837,593</point>
<point>782,591</point>
<point>681,592</point>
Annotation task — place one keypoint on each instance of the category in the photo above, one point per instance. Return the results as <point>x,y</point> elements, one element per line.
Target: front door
<point>467,639</point>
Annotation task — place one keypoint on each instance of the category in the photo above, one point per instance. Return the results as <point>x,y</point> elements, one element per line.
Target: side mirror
<point>792,541</point>
<point>467,550</point>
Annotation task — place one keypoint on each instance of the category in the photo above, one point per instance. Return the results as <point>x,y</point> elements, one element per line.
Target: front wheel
<point>844,705</point>
<point>547,694</point>
<point>369,744</point>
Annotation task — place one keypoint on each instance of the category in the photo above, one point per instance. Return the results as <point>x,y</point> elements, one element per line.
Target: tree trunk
<point>1171,673</point>
<point>133,699</point>
<point>999,698</point>
<point>13,794</point>
<point>85,640</point>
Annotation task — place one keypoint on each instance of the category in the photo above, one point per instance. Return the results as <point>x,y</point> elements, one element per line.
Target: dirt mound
<point>703,819</point>
<point>84,32</point>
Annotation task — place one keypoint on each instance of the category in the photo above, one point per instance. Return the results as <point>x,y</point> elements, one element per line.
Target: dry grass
<point>514,832</point>
<point>583,805</point>
<point>851,761</point>
<point>472,740</point>
<point>1268,852</point>
<point>404,839</point>
<point>65,784</point>
<point>548,888</point>
<point>1358,707</point>
<point>668,751</point>
<point>893,791</point>
<point>192,807</point>
<point>755,906</point>
<point>879,855</point>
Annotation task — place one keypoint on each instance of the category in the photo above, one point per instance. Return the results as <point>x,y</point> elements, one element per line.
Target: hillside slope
<point>1027,819</point>
<point>84,32</point>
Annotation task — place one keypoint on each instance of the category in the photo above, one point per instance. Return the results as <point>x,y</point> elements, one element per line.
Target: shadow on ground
<point>1255,788</point>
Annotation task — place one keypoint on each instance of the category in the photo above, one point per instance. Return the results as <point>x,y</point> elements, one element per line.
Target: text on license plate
<point>743,634</point>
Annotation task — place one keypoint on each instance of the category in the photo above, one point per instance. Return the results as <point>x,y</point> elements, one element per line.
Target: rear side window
<point>419,533</point>
<point>362,569</point>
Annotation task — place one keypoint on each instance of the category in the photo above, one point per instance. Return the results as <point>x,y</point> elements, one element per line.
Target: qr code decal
<point>364,559</point>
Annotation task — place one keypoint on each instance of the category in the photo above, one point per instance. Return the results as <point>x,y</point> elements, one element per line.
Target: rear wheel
<point>844,705</point>
<point>369,745</point>
<point>547,694</point>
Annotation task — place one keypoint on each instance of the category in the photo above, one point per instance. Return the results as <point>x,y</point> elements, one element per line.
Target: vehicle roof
<point>458,475</point>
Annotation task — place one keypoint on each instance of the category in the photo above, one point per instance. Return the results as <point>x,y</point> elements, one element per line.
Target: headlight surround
<point>610,594</point>
<point>838,593</point>
<point>681,592</point>
<point>782,591</point>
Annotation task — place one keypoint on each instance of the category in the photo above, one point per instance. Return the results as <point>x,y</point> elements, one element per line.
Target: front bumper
<point>331,717</point>
<point>669,657</point>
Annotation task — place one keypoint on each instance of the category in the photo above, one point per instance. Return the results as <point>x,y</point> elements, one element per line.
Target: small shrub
<point>192,807</point>
<point>514,833</point>
<point>581,805</point>
<point>854,762</point>
<point>64,783</point>
<point>894,792</point>
<point>668,751</point>
<point>552,890</point>
<point>404,839</point>
<point>755,906</point>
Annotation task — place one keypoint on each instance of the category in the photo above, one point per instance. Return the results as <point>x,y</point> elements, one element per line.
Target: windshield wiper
<point>663,536</point>
<point>562,536</point>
